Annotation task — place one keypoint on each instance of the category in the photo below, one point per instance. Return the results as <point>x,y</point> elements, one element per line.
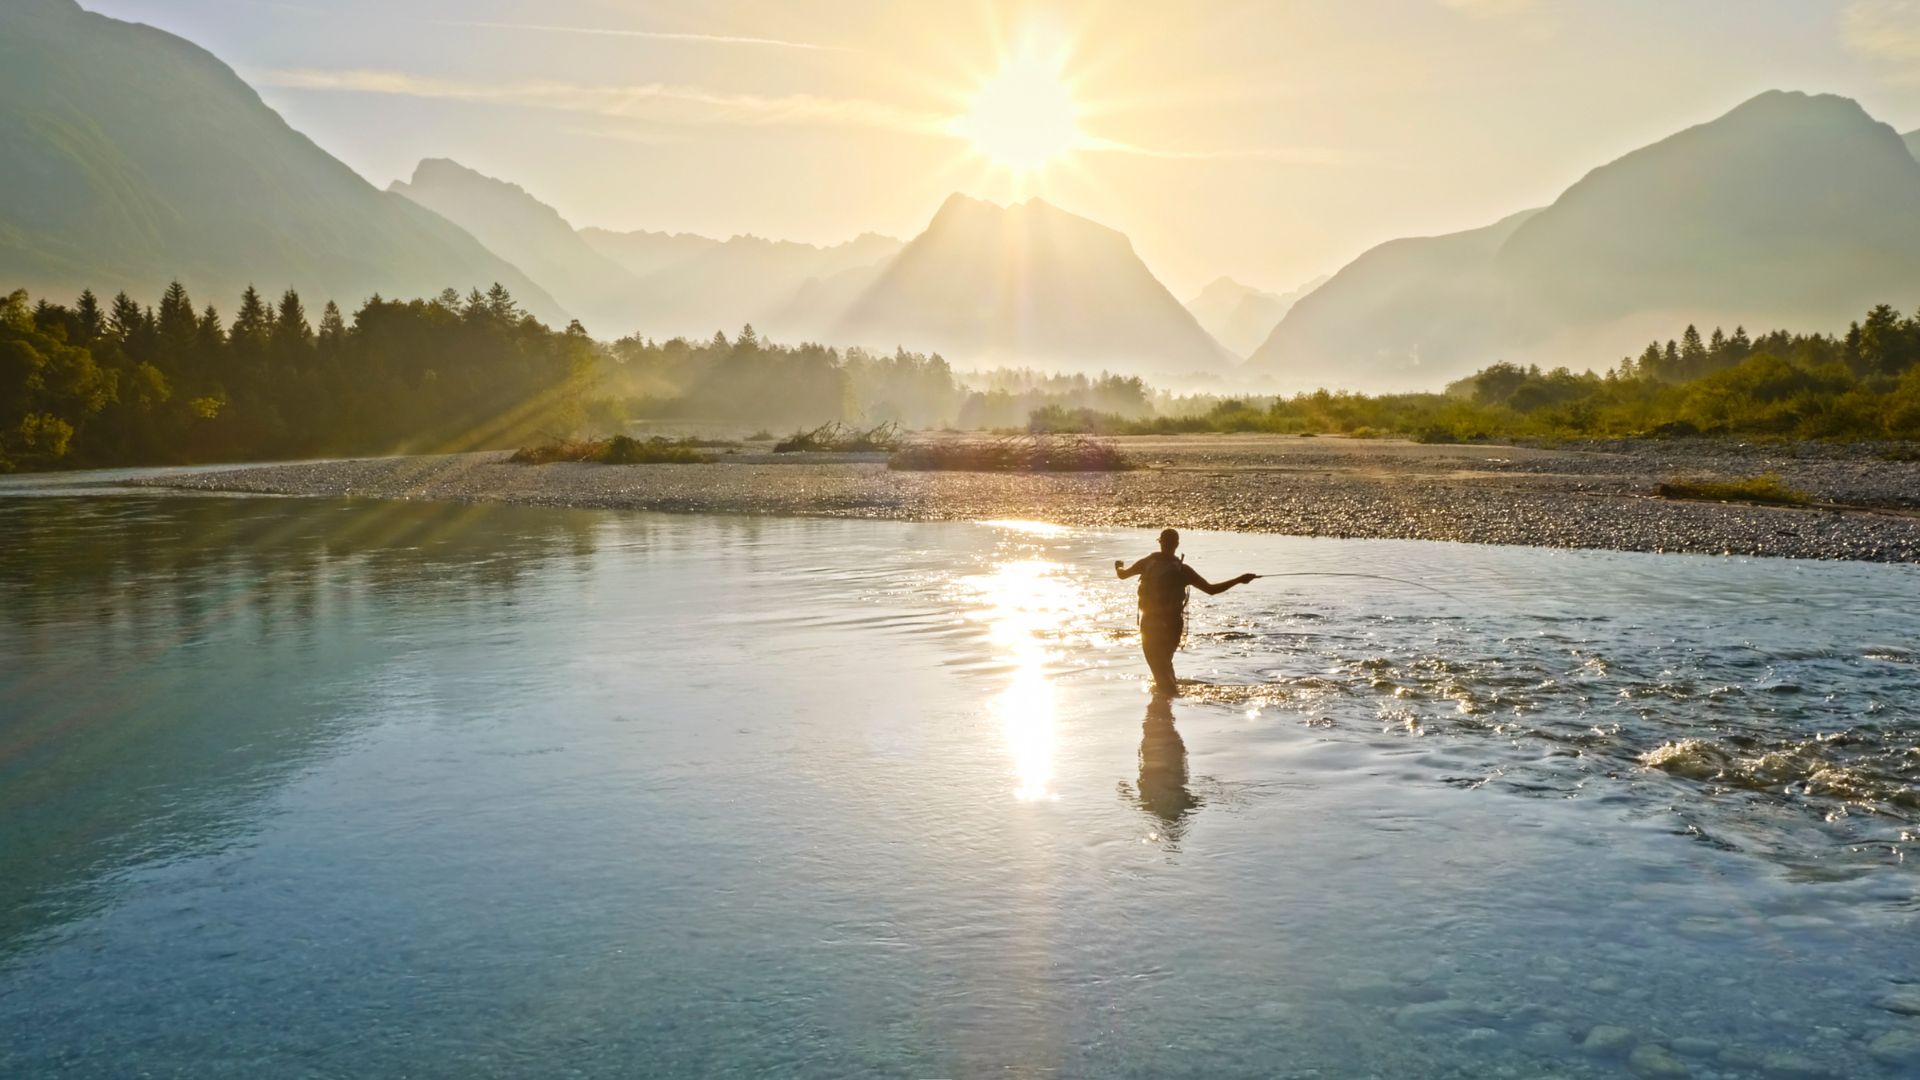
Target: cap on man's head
<point>1169,538</point>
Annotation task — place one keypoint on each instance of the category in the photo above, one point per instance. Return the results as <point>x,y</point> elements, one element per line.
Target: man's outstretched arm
<point>1123,571</point>
<point>1213,589</point>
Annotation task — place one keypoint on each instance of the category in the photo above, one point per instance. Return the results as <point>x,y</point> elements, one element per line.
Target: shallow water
<point>315,788</point>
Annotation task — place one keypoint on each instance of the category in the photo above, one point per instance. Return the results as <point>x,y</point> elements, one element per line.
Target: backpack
<point>1163,586</point>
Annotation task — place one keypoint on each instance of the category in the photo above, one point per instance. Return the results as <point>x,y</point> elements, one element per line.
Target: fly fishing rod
<point>1374,577</point>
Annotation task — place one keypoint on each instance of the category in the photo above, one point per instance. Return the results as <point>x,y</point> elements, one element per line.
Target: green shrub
<point>838,438</point>
<point>1767,488</point>
<point>618,450</point>
<point>1013,453</point>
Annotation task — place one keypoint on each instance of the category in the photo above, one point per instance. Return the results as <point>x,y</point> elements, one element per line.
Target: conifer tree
<point>123,321</point>
<point>333,328</point>
<point>93,321</point>
<point>252,328</point>
<point>292,337</point>
<point>1693,353</point>
<point>178,326</point>
<point>211,336</point>
<point>500,304</point>
<point>1651,365</point>
<point>1881,341</point>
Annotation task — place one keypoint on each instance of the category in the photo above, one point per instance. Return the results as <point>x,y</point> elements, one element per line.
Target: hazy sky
<point>1272,141</point>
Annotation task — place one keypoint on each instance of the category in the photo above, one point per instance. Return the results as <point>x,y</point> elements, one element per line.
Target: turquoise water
<point>360,789</point>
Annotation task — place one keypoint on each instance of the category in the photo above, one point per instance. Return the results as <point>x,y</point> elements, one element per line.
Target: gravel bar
<point>1591,496</point>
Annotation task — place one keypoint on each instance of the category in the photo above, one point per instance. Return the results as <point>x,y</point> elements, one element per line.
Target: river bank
<point>1594,496</point>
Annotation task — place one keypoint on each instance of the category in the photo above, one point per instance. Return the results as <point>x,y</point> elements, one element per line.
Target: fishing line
<point>1375,577</point>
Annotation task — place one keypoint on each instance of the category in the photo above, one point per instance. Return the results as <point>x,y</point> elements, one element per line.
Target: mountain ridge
<point>1240,316</point>
<point>136,157</point>
<point>532,235</point>
<point>1029,283</point>
<point>1790,209</point>
<point>692,285</point>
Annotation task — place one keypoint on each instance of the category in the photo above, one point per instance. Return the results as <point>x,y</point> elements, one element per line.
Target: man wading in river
<point>1164,580</point>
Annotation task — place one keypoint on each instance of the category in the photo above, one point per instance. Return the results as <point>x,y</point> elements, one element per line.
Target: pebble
<point>1650,1059</point>
<point>1548,1037</point>
<point>1376,989</point>
<point>1904,1000</point>
<point>1608,1040</point>
<point>1694,1047</point>
<point>1798,922</point>
<point>1787,1065</point>
<point>1430,1016</point>
<point>1899,1048</point>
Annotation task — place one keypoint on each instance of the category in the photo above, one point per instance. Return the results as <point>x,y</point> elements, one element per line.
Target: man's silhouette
<point>1163,768</point>
<point>1164,580</point>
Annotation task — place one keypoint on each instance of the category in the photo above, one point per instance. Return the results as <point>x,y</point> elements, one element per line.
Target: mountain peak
<point>1789,209</point>
<point>1028,284</point>
<point>109,188</point>
<point>527,232</point>
<point>446,171</point>
<point>1783,103</point>
<point>1224,289</point>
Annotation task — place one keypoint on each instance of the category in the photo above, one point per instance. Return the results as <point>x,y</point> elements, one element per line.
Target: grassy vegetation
<point>1863,386</point>
<point>1767,488</point>
<point>1762,398</point>
<point>1013,453</point>
<point>618,450</point>
<point>838,438</point>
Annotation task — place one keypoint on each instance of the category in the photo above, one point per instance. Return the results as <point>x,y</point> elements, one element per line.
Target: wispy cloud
<point>1490,7</point>
<point>1293,155</point>
<point>651,35</point>
<point>1883,29</point>
<point>693,106</point>
<point>661,102</point>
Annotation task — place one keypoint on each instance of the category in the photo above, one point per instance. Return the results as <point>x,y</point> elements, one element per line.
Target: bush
<point>1767,488</point>
<point>1014,453</point>
<point>838,438</point>
<point>618,450</point>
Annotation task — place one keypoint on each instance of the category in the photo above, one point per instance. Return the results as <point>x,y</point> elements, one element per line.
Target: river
<point>306,787</point>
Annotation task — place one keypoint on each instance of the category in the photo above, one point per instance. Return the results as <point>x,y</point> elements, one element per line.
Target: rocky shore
<point>1591,496</point>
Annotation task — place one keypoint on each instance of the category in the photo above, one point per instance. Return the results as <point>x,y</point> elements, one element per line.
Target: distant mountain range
<point>693,286</point>
<point>657,284</point>
<point>1029,284</point>
<point>1241,316</point>
<point>129,157</point>
<point>1792,210</point>
<point>983,285</point>
<point>530,234</point>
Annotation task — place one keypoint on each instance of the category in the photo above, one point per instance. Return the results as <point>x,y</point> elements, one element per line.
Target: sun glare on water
<point>1024,117</point>
<point>1027,605</point>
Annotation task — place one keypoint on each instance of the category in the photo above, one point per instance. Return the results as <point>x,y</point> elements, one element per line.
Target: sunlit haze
<point>1271,142</point>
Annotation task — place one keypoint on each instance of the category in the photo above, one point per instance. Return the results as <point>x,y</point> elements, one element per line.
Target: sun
<point>1024,117</point>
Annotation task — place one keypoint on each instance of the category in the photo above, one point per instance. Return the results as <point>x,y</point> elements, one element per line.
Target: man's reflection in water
<point>1162,790</point>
